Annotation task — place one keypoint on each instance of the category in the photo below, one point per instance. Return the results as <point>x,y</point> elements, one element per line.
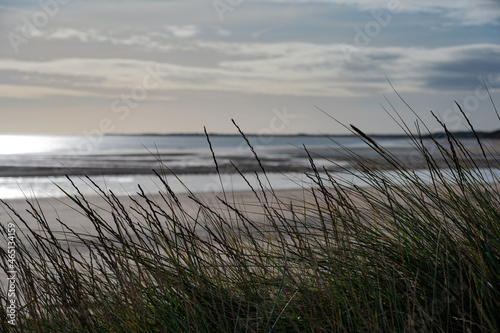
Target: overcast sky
<point>74,67</point>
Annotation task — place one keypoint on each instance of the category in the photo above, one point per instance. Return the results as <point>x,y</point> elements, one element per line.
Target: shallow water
<point>43,187</point>
<point>188,155</point>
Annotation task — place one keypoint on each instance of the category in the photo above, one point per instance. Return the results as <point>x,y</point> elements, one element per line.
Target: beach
<point>343,220</point>
<point>65,210</point>
<point>285,167</point>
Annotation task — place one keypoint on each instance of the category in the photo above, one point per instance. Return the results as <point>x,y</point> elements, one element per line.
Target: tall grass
<point>403,254</point>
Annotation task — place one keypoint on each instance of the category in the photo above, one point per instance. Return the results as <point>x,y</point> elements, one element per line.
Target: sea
<point>34,166</point>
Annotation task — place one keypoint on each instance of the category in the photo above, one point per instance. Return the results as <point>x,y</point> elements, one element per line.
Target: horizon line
<point>496,133</point>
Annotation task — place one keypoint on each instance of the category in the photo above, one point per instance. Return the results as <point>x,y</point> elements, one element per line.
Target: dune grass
<point>404,254</point>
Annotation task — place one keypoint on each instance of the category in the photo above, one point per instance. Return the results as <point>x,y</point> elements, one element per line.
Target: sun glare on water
<point>25,144</point>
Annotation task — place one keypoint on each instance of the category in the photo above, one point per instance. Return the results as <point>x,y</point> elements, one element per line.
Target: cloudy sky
<point>75,67</point>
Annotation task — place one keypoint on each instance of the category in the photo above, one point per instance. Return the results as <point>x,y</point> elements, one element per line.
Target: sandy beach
<point>66,210</point>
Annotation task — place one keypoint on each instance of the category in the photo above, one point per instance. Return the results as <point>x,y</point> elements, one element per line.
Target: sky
<point>274,66</point>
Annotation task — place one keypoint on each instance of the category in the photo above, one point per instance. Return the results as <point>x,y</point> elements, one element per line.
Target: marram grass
<point>401,255</point>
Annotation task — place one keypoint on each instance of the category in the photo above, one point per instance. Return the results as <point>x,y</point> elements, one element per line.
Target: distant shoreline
<point>437,135</point>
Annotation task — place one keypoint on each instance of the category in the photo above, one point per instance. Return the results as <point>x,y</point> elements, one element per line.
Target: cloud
<point>70,34</point>
<point>223,32</point>
<point>184,31</point>
<point>264,52</point>
<point>464,12</point>
<point>164,40</point>
<point>38,92</point>
<point>300,69</point>
<point>466,69</point>
<point>76,77</point>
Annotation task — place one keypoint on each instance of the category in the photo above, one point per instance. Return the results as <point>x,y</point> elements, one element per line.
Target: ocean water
<point>137,144</point>
<point>189,155</point>
<point>139,150</point>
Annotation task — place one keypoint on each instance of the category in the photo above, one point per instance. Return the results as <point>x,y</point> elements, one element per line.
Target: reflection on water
<point>43,187</point>
<point>180,152</point>
<point>188,155</point>
<point>138,144</point>
<point>27,144</point>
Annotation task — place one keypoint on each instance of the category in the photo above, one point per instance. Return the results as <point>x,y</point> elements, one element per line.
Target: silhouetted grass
<point>403,254</point>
